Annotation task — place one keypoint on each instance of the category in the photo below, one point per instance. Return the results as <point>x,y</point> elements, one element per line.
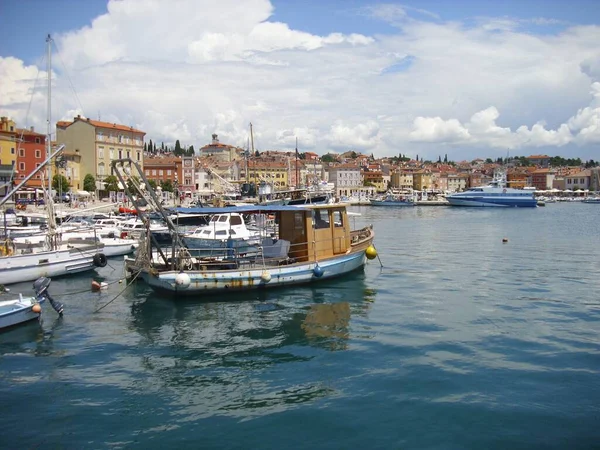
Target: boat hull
<point>498,202</point>
<point>390,203</point>
<point>15,312</point>
<point>29,267</point>
<point>207,282</point>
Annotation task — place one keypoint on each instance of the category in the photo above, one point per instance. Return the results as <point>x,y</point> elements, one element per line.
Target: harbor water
<point>481,330</point>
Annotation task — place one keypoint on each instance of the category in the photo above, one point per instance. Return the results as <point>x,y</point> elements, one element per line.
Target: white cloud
<point>214,67</point>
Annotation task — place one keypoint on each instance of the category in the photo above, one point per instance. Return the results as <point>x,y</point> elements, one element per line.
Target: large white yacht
<point>494,194</point>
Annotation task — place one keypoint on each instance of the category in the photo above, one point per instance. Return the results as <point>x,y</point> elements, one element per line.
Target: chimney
<point>31,129</point>
<point>215,139</point>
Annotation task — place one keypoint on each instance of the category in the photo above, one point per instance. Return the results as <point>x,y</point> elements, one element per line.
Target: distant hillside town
<point>218,168</point>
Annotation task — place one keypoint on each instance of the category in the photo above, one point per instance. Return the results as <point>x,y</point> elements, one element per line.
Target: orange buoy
<point>36,308</point>
<point>95,286</point>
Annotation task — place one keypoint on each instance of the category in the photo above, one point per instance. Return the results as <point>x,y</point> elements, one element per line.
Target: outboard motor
<point>40,286</point>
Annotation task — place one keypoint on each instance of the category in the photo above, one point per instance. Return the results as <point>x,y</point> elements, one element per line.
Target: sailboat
<point>56,258</point>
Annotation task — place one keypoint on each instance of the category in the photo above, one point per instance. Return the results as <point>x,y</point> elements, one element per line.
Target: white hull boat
<point>20,310</point>
<point>66,260</point>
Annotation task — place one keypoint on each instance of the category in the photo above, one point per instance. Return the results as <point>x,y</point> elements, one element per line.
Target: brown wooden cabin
<point>316,232</point>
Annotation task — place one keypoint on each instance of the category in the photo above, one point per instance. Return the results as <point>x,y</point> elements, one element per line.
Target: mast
<point>297,177</point>
<point>49,112</point>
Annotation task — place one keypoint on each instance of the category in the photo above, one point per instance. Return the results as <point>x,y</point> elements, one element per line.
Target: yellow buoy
<point>36,308</point>
<point>371,252</point>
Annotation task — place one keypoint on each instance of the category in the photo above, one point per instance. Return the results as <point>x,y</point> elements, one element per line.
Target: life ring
<point>100,260</point>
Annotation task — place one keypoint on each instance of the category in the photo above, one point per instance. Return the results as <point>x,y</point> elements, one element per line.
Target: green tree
<point>111,183</point>
<point>150,148</point>
<point>152,184</point>
<point>167,185</point>
<point>328,158</point>
<point>177,151</point>
<point>60,183</point>
<point>446,158</point>
<point>439,159</point>
<point>353,155</point>
<point>191,150</point>
<point>89,183</point>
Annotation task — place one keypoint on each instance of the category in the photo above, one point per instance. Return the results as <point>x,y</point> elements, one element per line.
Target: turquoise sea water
<point>459,341</point>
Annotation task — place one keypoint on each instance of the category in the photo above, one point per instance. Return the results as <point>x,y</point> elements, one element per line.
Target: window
<point>101,168</point>
<point>321,219</point>
<point>138,155</point>
<point>37,140</point>
<point>38,154</point>
<point>112,153</point>
<point>21,152</point>
<point>160,172</point>
<point>169,172</point>
<point>147,172</point>
<point>120,154</point>
<point>12,150</point>
<point>101,152</point>
<point>128,154</point>
<point>21,166</point>
<point>120,138</point>
<point>154,172</point>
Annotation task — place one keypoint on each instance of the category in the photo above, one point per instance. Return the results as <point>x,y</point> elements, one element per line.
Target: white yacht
<point>495,194</point>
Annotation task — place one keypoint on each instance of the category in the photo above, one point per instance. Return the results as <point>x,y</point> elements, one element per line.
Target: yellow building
<point>98,144</point>
<point>8,141</point>
<point>422,180</point>
<point>273,172</point>
<point>402,180</point>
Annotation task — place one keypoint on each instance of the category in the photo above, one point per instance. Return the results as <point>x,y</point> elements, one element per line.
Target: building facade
<point>100,143</point>
<point>31,153</point>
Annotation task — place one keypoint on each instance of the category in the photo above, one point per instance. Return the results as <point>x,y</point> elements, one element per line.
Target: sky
<point>461,78</point>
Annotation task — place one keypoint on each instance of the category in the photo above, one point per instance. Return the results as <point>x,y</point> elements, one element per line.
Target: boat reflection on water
<point>250,357</point>
<point>329,323</point>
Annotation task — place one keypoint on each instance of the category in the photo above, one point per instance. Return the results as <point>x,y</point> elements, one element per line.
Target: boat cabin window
<point>337,218</point>
<point>221,233</point>
<point>321,218</point>
<point>236,220</point>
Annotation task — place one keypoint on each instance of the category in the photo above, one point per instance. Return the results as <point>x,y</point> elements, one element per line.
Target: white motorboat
<point>24,309</point>
<point>496,194</point>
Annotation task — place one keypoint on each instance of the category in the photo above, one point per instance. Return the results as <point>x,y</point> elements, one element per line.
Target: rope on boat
<point>119,294</point>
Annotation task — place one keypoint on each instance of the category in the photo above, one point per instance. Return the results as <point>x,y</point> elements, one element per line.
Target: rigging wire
<point>69,78</point>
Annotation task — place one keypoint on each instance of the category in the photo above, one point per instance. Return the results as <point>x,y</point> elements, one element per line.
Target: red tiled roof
<point>98,124</point>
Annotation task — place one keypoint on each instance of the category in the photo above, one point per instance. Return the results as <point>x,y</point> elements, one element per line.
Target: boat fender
<point>182,280</point>
<point>111,234</point>
<point>318,271</point>
<point>100,260</point>
<point>371,252</point>
<point>266,276</point>
<point>504,191</point>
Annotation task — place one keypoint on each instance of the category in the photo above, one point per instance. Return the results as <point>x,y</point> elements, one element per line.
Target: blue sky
<point>469,78</point>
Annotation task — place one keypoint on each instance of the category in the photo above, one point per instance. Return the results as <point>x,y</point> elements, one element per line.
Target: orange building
<point>31,152</point>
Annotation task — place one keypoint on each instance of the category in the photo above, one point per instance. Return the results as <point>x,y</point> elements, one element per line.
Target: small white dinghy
<point>23,309</point>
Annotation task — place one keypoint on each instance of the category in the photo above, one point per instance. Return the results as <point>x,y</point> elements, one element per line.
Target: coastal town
<point>218,169</point>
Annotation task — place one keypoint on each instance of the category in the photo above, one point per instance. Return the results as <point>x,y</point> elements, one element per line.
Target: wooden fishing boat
<point>310,243</point>
<point>307,243</point>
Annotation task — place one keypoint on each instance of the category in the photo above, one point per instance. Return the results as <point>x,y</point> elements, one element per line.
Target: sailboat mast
<point>49,118</point>
<point>297,177</point>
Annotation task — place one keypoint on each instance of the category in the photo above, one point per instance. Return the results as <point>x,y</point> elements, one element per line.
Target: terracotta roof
<point>26,132</point>
<point>98,124</point>
<point>538,157</point>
